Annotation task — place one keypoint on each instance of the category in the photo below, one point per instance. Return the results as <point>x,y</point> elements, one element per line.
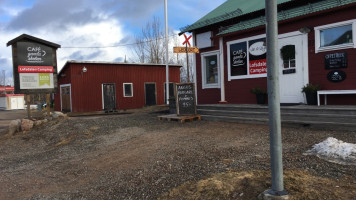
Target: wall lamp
<point>305,30</point>
<point>84,70</point>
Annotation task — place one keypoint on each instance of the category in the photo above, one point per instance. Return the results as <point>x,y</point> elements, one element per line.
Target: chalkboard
<point>185,99</point>
<point>336,60</point>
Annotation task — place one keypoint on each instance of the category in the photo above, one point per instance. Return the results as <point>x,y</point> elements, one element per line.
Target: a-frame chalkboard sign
<point>185,99</point>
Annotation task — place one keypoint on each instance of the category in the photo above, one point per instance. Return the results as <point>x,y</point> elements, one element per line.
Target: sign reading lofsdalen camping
<point>185,94</point>
<point>34,65</point>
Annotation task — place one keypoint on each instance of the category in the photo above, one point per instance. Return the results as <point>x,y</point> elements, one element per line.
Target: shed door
<point>65,98</point>
<point>109,96</point>
<point>16,103</point>
<point>150,93</point>
<point>291,69</point>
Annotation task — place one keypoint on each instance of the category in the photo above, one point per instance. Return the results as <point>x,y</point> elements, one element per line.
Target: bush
<point>310,88</point>
<point>258,90</point>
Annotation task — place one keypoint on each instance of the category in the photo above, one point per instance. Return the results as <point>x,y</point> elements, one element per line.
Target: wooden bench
<point>326,92</point>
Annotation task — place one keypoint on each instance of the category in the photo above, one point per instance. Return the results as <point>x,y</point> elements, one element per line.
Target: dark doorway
<point>150,94</point>
<point>109,96</point>
<point>65,99</point>
<point>171,91</point>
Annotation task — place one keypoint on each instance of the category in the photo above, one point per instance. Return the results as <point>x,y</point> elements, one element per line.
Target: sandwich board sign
<point>34,65</point>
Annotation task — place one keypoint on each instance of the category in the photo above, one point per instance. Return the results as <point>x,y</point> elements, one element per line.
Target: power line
<point>114,46</point>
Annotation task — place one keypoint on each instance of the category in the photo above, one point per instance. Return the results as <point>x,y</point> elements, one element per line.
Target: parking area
<point>136,156</point>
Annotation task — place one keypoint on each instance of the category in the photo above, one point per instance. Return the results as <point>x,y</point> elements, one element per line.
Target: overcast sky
<point>90,23</point>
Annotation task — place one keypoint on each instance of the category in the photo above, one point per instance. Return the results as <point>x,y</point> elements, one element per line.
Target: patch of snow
<point>335,150</point>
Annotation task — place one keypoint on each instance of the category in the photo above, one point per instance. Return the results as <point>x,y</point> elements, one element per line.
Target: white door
<point>291,69</point>
<point>14,103</point>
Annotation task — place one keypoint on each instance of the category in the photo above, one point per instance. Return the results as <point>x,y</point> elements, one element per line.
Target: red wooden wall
<point>238,91</point>
<point>86,88</point>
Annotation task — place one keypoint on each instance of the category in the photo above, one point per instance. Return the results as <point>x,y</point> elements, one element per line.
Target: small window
<point>210,70</point>
<point>128,90</point>
<point>335,36</point>
<point>203,40</point>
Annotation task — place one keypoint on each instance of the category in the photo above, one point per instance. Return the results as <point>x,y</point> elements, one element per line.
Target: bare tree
<point>150,48</point>
<point>150,45</point>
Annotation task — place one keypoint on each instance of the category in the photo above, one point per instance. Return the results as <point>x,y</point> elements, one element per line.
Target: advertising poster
<point>257,56</point>
<point>238,58</point>
<point>36,77</point>
<point>35,66</point>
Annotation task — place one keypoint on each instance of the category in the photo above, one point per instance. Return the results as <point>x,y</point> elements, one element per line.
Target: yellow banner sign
<point>185,49</point>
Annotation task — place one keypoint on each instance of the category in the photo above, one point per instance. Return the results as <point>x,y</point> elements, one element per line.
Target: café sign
<point>35,65</point>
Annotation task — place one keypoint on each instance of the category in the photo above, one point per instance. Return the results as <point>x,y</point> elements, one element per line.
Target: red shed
<point>317,45</point>
<point>95,86</point>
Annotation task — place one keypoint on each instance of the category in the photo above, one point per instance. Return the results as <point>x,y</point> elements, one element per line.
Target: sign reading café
<point>34,65</point>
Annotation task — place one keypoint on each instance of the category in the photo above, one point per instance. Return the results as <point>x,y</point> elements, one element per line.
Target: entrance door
<point>109,96</point>
<point>150,94</point>
<point>291,68</point>
<point>65,98</point>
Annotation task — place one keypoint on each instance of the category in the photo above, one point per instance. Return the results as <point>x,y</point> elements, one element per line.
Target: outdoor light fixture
<point>304,30</point>
<point>84,69</point>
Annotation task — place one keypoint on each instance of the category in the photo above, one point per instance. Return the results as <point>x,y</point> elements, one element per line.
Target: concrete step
<point>285,123</point>
<point>333,117</point>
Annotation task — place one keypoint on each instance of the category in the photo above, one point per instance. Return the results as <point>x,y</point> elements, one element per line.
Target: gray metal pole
<point>166,40</point>
<point>274,98</point>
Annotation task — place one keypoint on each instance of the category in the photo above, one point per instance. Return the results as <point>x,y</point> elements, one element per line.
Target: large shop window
<point>247,58</point>
<point>210,69</point>
<point>335,36</point>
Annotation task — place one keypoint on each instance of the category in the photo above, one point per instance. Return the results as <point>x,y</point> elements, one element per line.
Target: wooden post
<point>28,102</point>
<point>186,50</point>
<point>48,104</point>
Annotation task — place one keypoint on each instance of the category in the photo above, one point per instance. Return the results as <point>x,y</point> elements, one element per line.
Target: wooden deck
<point>182,119</point>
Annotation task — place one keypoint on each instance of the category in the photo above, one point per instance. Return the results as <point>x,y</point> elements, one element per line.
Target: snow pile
<point>334,150</point>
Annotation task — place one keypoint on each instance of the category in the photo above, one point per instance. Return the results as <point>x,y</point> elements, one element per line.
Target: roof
<point>32,38</point>
<point>228,10</point>
<point>114,63</point>
<point>287,14</point>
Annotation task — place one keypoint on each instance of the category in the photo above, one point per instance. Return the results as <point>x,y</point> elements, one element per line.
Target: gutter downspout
<point>222,73</point>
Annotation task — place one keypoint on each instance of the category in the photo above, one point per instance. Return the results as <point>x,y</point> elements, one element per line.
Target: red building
<point>317,45</point>
<point>97,86</point>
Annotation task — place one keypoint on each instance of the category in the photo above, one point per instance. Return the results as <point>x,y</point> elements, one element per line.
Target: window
<point>335,36</point>
<point>247,58</point>
<point>204,39</point>
<point>128,90</point>
<point>210,69</point>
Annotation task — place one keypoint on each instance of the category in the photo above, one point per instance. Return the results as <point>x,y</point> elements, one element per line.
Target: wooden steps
<point>182,119</point>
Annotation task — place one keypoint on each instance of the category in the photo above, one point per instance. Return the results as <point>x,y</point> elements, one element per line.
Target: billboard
<point>34,65</point>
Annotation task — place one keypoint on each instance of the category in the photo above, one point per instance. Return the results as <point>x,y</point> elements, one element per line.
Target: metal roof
<point>114,63</point>
<point>34,39</point>
<point>228,10</point>
<point>288,14</point>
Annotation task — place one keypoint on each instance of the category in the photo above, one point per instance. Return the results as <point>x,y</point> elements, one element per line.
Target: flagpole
<point>166,40</point>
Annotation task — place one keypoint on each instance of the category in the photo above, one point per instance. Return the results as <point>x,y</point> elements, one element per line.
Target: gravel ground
<point>136,156</point>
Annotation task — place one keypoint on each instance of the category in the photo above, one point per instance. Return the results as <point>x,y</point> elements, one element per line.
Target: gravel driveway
<point>136,156</point>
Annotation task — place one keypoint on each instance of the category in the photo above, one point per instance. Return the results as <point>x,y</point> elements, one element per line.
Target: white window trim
<point>335,47</point>
<point>229,62</point>
<point>210,85</point>
<point>280,36</point>
<point>123,85</point>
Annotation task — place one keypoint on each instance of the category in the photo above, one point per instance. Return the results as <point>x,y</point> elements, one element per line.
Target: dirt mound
<point>249,184</point>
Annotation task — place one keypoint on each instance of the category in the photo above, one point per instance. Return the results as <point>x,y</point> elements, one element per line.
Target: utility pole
<point>166,40</point>
<point>274,110</point>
